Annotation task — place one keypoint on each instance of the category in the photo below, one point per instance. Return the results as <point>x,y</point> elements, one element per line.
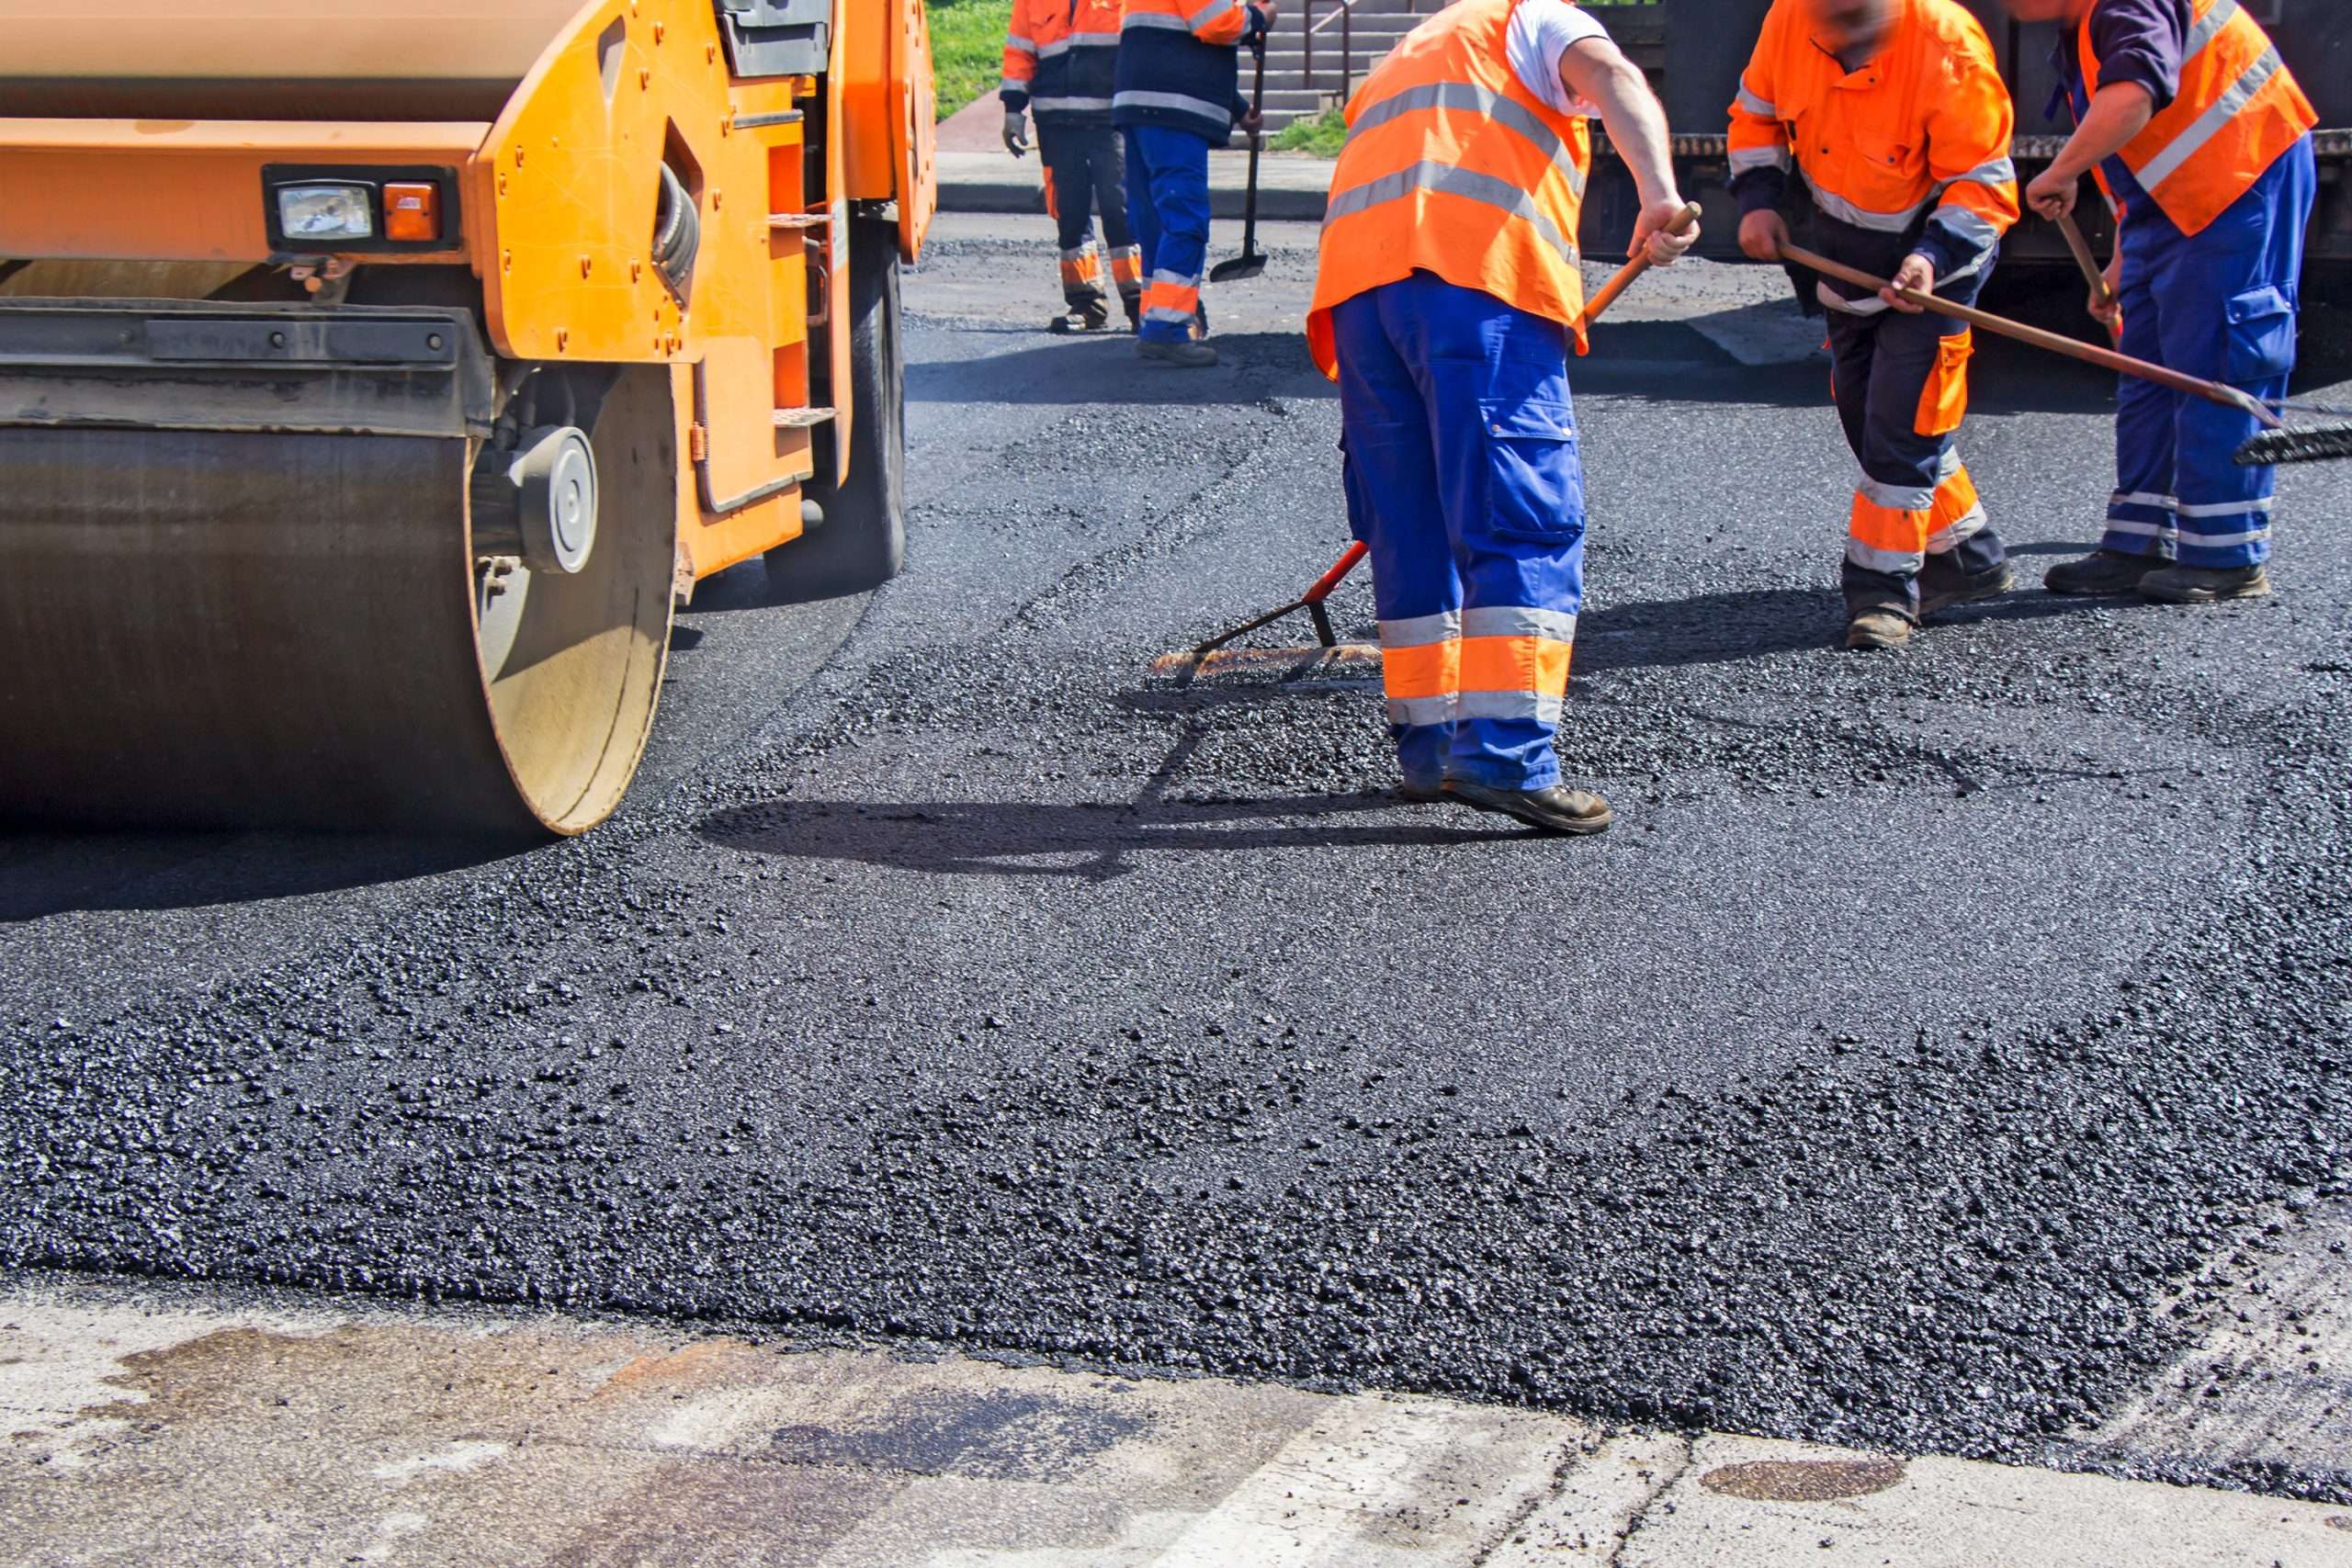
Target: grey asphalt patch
<point>1926,1021</point>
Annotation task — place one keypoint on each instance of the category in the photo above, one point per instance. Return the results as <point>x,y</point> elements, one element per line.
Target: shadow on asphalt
<point>45,874</point>
<point>1088,842</point>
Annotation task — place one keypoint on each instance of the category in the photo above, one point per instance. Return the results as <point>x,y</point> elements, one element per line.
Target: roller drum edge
<point>229,629</point>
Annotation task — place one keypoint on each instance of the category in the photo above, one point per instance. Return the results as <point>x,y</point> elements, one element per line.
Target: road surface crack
<point>1662,1480</point>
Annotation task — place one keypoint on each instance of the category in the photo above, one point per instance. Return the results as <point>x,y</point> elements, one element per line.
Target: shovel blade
<point>1239,270</point>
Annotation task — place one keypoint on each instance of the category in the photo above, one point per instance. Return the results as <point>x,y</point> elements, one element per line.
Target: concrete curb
<point>1290,189</point>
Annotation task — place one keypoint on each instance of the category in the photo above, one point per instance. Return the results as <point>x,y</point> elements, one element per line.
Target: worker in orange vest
<point>1059,59</point>
<point>1896,111</point>
<point>1446,299</point>
<point>2201,136</point>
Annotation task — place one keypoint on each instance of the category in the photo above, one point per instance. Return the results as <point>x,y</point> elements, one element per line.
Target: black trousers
<point>1086,173</point>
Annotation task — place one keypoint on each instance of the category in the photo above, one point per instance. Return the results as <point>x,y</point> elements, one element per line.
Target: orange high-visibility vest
<point>2239,109</point>
<point>1924,124</point>
<point>1453,167</point>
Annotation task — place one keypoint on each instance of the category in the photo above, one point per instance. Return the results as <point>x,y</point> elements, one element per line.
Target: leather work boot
<point>1084,318</point>
<point>2197,585</point>
<point>1425,794</point>
<point>1558,809</point>
<point>1879,627</point>
<point>1942,589</point>
<point>1184,356</point>
<point>2101,572</point>
<point>1133,303</point>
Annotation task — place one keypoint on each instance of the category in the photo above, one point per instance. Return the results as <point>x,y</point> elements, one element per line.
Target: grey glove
<point>1016,132</point>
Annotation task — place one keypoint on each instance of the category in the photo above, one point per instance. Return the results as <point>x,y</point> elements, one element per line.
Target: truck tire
<point>861,542</point>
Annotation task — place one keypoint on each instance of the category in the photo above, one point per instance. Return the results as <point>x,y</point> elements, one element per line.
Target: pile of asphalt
<point>718,1062</point>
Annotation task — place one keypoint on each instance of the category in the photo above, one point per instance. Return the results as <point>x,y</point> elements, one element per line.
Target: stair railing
<point>1343,12</point>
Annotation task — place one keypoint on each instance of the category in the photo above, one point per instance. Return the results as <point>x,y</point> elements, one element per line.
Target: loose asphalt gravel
<point>1932,1038</point>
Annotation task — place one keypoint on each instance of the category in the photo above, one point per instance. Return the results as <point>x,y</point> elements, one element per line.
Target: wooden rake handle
<point>2001,326</point>
<point>1632,270</point>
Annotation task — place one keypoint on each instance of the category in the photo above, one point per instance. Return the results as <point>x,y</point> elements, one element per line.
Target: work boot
<point>2197,585</point>
<point>1134,302</point>
<point>1425,794</point>
<point>1199,323</point>
<point>1184,356</point>
<point>1558,809</point>
<point>2101,572</point>
<point>1881,626</point>
<point>1942,589</point>
<point>1080,319</point>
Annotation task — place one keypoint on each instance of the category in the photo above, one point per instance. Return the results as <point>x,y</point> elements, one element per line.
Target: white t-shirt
<point>1541,31</point>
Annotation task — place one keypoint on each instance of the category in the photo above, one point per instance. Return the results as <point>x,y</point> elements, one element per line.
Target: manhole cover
<point>1803,1480</point>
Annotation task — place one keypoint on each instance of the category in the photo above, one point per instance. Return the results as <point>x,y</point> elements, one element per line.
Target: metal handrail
<point>1344,13</point>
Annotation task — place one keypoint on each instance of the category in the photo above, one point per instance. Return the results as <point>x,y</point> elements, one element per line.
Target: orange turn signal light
<point>412,213</point>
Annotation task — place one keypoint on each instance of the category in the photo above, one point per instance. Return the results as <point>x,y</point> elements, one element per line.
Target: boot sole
<point>2205,595</point>
<point>1873,642</point>
<point>2099,590</point>
<point>1502,805</point>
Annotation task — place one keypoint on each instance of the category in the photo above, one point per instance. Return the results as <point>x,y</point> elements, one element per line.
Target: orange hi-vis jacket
<point>1453,167</point>
<point>1923,127</point>
<point>2238,110</point>
<point>1060,57</point>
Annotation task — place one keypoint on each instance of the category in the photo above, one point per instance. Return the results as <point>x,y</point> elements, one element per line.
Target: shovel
<point>1251,261</point>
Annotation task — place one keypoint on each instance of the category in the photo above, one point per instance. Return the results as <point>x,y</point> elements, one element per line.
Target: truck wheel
<point>862,543</point>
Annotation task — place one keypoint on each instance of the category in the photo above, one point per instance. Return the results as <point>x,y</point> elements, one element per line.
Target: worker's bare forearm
<point>2118,114</point>
<point>1599,74</point>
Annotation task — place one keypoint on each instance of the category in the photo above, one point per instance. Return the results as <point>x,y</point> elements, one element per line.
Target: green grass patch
<point>1321,136</point>
<point>967,48</point>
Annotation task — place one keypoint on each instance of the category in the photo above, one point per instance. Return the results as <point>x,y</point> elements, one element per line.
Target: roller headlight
<point>326,213</point>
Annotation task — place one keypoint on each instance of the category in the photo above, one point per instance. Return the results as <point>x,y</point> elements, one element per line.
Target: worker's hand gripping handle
<point>1632,270</point>
<point>2103,296</point>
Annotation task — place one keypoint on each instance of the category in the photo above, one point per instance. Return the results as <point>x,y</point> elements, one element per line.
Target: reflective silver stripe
<point>1557,625</point>
<point>1899,498</point>
<point>2207,29</point>
<point>1079,253</point>
<point>1845,211</point>
<point>2207,126</point>
<point>2001,171</point>
<point>1756,105</point>
<point>1167,315</point>
<point>1012,86</point>
<point>2144,530</point>
<point>1414,711</point>
<point>1055,49</point>
<point>1450,180</point>
<point>2191,538</point>
<point>1069,106</point>
<point>2141,498</point>
<point>1472,99</point>
<point>1019,45</point>
<point>1095,40</point>
<point>2260,505</point>
<point>1177,279</point>
<point>1952,535</point>
<point>1974,229</point>
<point>1746,158</point>
<point>1161,20</point>
<point>1873,560</point>
<point>1177,101</point>
<point>1948,464</point>
<point>1420,631</point>
<point>1211,12</point>
<point>1543,708</point>
<point>1124,253</point>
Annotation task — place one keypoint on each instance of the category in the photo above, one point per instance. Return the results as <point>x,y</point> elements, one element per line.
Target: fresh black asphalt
<point>1932,1032</point>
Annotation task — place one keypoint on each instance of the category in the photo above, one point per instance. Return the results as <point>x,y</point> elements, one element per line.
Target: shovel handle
<point>1632,270</point>
<point>2092,274</point>
<point>1338,574</point>
<point>2001,326</point>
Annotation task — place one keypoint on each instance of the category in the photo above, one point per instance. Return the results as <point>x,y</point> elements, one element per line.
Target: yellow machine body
<point>182,379</point>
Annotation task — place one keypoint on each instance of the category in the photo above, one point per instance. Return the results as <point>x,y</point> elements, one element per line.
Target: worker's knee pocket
<point>1943,401</point>
<point>1535,479</point>
<point>2262,335</point>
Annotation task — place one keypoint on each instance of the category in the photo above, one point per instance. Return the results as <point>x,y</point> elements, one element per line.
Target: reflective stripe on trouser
<point>1127,269</point>
<point>1461,474</point>
<point>1085,173</point>
<point>1914,499</point>
<point>1167,203</point>
<point>2221,306</point>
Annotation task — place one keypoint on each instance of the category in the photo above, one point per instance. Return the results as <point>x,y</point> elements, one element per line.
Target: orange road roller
<point>375,381</point>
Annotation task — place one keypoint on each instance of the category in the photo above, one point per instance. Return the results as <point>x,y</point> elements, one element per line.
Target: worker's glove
<point>1016,132</point>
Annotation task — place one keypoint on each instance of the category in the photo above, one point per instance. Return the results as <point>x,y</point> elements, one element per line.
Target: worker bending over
<point>1896,111</point>
<point>2201,136</point>
<point>1179,95</point>
<point>1059,59</point>
<point>1445,299</point>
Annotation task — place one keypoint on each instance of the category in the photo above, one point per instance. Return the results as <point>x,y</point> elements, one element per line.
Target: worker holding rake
<point>2201,137</point>
<point>1448,293</point>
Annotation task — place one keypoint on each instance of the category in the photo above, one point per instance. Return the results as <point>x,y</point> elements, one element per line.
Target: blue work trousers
<point>1461,474</point>
<point>2219,305</point>
<point>1168,207</point>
